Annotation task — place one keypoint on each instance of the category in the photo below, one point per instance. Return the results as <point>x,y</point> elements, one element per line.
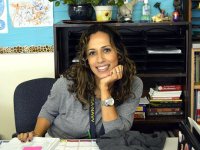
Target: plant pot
<point>103,13</point>
<point>80,12</point>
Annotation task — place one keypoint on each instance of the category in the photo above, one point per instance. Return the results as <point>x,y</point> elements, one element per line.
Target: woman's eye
<point>106,50</point>
<point>91,53</point>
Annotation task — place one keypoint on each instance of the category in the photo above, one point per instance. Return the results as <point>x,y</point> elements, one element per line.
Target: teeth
<point>102,68</point>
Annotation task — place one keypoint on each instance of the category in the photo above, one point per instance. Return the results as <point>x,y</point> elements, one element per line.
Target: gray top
<point>69,119</point>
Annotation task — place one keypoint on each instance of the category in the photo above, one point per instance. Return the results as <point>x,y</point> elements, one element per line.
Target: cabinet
<point>154,70</point>
<point>195,85</point>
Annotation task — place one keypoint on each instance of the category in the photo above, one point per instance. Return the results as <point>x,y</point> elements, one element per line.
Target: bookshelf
<point>194,85</point>
<point>153,69</point>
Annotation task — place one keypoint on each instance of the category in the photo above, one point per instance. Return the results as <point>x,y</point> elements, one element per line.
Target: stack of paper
<point>38,143</point>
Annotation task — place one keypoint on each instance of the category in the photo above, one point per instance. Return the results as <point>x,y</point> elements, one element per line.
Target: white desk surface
<point>170,144</point>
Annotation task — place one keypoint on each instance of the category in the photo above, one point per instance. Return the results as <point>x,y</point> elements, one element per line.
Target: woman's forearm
<point>109,113</point>
<point>41,127</point>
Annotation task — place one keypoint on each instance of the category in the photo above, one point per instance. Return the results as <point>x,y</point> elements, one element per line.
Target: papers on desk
<point>44,143</point>
<point>77,144</point>
<point>38,143</point>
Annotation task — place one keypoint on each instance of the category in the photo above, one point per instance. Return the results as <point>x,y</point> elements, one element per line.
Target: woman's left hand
<point>115,74</point>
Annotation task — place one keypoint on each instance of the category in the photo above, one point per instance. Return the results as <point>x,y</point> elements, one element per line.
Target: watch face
<point>109,102</point>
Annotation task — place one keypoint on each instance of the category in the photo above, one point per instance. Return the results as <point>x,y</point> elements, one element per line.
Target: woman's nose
<point>100,57</point>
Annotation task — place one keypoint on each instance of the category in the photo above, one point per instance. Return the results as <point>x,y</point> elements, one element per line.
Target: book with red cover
<point>169,88</point>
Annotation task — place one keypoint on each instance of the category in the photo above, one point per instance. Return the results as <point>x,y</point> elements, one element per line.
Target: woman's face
<point>101,56</point>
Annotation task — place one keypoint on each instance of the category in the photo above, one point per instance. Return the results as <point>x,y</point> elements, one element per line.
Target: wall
<point>16,68</point>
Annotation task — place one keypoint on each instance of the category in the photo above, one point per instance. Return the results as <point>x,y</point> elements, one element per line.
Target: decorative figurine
<point>175,16</point>
<point>125,11</point>
<point>162,16</point>
<point>162,11</point>
<point>177,7</point>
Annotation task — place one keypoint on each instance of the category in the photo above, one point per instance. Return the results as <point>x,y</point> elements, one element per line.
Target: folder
<point>189,137</point>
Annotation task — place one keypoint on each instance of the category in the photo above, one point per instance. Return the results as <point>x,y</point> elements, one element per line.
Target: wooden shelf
<point>194,86</point>
<point>197,87</point>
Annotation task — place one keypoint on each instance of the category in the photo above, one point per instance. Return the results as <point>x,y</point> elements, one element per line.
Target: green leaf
<point>57,3</point>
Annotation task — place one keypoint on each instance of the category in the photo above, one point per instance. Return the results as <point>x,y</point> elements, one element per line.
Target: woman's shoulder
<point>137,81</point>
<point>62,83</point>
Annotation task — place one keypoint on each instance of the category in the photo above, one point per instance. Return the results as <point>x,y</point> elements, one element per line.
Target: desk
<point>88,144</point>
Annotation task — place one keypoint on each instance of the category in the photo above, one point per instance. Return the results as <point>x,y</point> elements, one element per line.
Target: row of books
<point>140,112</point>
<point>165,100</point>
<point>197,103</point>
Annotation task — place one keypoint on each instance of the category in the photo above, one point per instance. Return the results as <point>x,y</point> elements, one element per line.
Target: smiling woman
<point>98,94</point>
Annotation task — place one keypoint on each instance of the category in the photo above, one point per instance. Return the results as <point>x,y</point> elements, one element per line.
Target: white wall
<point>15,68</point>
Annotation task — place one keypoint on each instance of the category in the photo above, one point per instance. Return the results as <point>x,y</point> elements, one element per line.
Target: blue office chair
<point>29,96</point>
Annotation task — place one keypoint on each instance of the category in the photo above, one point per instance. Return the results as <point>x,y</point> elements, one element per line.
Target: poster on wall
<point>31,13</point>
<point>3,17</point>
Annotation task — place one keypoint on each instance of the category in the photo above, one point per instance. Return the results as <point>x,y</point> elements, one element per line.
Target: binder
<point>189,136</point>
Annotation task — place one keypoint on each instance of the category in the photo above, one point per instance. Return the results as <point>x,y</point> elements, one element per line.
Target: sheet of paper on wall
<point>34,13</point>
<point>37,143</point>
<point>3,17</point>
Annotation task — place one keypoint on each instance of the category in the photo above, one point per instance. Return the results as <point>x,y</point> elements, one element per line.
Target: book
<point>171,113</point>
<point>164,109</point>
<point>39,143</point>
<point>141,108</point>
<point>139,115</point>
<point>169,87</point>
<point>153,93</point>
<point>144,100</point>
<point>197,106</point>
<point>161,104</point>
<point>165,100</point>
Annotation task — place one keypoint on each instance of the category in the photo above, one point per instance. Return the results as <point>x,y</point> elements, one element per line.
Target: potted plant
<point>79,9</point>
<point>108,10</point>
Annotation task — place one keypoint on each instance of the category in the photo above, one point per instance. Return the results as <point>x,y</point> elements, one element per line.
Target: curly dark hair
<point>84,79</point>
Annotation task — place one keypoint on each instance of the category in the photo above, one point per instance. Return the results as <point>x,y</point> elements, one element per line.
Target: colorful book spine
<point>139,115</point>
<point>141,108</point>
<point>165,104</point>
<point>198,106</point>
<point>165,100</point>
<point>164,109</point>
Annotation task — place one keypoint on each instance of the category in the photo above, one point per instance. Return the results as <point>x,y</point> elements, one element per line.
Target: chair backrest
<point>29,96</point>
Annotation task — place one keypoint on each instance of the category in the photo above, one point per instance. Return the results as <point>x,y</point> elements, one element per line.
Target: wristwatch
<point>108,102</point>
